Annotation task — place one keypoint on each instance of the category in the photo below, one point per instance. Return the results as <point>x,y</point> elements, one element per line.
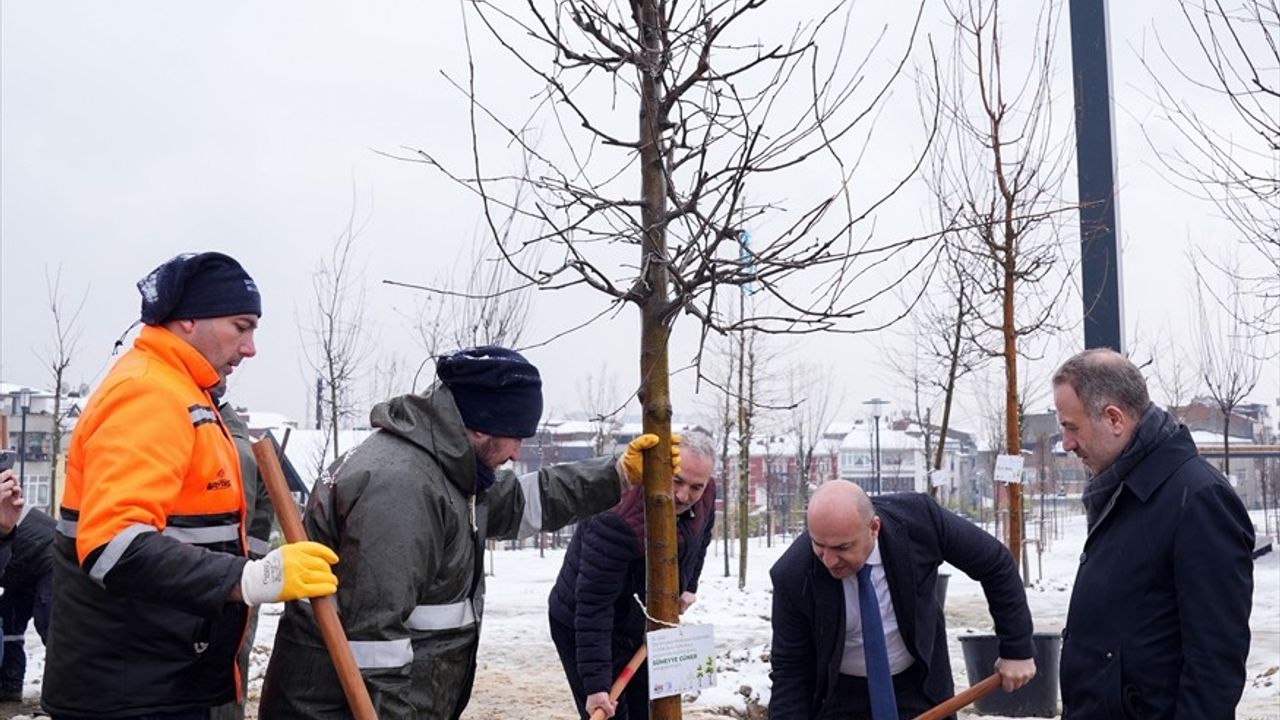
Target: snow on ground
<point>520,674</point>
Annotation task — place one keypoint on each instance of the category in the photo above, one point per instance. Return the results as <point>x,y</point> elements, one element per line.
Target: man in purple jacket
<point>596,622</point>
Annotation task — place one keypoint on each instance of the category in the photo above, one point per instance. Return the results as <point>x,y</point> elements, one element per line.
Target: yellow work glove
<point>631,464</point>
<point>293,571</point>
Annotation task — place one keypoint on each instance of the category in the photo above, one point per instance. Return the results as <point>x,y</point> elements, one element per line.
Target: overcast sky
<point>132,131</point>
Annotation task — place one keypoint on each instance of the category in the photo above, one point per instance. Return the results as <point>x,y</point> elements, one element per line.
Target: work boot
<point>10,695</point>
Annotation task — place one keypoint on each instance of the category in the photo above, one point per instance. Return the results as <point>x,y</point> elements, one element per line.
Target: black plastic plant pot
<point>1038,698</point>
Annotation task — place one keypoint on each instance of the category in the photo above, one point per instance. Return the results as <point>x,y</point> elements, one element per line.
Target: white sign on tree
<point>681,659</point>
<point>1009,469</point>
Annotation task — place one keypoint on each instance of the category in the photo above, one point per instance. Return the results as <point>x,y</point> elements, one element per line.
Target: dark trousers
<point>17,608</point>
<point>851,700</point>
<point>633,703</point>
<point>234,710</point>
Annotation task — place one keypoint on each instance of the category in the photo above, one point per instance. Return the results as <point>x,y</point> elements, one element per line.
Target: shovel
<point>962,699</point>
<point>325,610</point>
<point>624,677</point>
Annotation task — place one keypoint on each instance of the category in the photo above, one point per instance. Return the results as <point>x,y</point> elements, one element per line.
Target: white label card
<point>681,659</point>
<point>1009,469</point>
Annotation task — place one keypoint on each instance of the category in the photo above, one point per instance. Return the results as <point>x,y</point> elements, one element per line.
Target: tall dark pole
<point>1095,167</point>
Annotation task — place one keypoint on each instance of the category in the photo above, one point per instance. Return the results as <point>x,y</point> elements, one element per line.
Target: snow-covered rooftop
<point>1204,437</point>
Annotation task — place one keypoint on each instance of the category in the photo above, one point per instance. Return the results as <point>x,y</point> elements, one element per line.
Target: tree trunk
<point>928,452</point>
<point>655,395</point>
<point>952,371</point>
<point>1226,448</point>
<point>726,424</point>
<point>1013,436</point>
<point>57,444</point>
<point>768,504</point>
<point>806,471</point>
<point>744,464</point>
<point>1262,485</point>
<point>333,415</point>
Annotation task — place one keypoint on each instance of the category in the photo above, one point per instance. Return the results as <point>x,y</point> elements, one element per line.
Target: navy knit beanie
<point>193,286</point>
<point>496,390</point>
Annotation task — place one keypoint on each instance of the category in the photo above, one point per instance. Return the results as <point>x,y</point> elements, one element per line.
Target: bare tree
<point>338,343</point>
<point>811,388</point>
<point>388,376</point>
<point>746,406</point>
<point>599,396</point>
<point>913,373</point>
<point>1229,132</point>
<point>719,370</point>
<point>482,310</point>
<point>945,342</point>
<point>942,351</point>
<point>997,175</point>
<point>1269,481</point>
<point>1229,365</point>
<point>1175,375</point>
<point>57,358</point>
<point>739,370</point>
<point>483,314</point>
<point>715,112</point>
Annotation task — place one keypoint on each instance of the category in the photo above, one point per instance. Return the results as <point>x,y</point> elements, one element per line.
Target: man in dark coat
<point>596,622</point>
<point>1158,625</point>
<point>28,595</point>
<point>11,504</point>
<point>819,667</point>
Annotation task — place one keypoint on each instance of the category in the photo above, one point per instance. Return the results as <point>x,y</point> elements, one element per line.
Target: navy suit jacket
<point>916,536</point>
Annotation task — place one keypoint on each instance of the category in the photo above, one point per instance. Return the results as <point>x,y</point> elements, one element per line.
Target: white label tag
<point>681,659</point>
<point>1009,469</point>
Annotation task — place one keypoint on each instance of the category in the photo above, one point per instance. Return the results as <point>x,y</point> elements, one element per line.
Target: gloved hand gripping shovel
<point>326,612</point>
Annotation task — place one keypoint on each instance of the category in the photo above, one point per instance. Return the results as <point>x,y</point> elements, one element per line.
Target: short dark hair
<point>1102,377</point>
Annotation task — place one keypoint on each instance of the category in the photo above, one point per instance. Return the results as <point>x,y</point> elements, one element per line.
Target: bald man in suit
<point>820,665</point>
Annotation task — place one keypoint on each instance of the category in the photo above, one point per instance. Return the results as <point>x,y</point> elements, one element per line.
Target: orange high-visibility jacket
<point>150,543</point>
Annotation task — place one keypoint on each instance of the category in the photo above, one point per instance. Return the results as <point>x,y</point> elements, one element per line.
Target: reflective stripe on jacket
<point>150,543</point>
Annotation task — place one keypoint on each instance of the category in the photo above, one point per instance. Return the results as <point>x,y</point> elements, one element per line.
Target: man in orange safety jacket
<point>152,582</point>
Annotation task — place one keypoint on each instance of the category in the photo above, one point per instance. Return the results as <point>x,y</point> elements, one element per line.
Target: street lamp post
<point>876,404</point>
<point>24,402</point>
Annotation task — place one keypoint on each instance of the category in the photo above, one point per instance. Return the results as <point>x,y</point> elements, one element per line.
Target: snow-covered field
<point>520,675</point>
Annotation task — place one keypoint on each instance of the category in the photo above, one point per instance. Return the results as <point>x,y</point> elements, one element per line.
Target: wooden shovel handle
<point>326,612</point>
<point>624,677</point>
<point>962,699</point>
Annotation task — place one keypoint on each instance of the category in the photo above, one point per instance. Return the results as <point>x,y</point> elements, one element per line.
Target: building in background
<point>37,450</point>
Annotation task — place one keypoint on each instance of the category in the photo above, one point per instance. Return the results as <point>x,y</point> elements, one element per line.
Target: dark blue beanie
<point>496,390</point>
<point>193,286</point>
